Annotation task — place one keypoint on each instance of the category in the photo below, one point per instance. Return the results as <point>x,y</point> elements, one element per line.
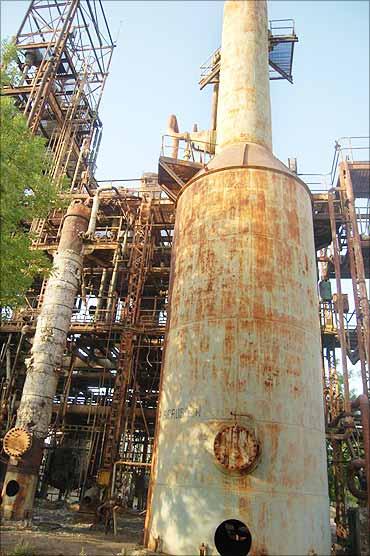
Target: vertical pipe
<point>341,330</point>
<point>359,331</point>
<point>214,106</point>
<point>103,283</point>
<point>173,127</point>
<point>362,403</point>
<point>121,249</point>
<point>8,365</point>
<point>35,410</point>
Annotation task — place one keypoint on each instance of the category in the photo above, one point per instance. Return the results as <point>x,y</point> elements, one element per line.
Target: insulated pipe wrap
<point>35,410</point>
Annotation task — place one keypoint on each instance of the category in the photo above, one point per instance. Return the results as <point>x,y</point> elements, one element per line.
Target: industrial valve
<point>17,442</point>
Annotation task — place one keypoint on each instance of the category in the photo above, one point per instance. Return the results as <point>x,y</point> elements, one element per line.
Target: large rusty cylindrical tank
<point>240,462</point>
<point>243,347</point>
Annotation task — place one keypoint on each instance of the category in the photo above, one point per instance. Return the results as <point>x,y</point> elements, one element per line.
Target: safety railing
<point>95,396</point>
<point>210,64</point>
<point>114,310</point>
<point>188,149</point>
<point>88,399</point>
<point>329,317</point>
<point>47,231</point>
<point>132,189</point>
<point>89,311</point>
<point>363,220</point>
<point>317,183</point>
<point>350,149</point>
<point>278,28</point>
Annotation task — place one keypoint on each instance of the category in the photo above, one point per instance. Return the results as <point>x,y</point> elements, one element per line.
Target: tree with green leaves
<point>26,192</point>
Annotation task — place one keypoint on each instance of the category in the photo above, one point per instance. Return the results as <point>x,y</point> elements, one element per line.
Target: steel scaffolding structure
<point>342,225</point>
<point>105,405</point>
<point>108,385</point>
<point>64,50</point>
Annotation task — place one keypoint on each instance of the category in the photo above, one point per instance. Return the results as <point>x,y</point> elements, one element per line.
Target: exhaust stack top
<point>244,111</point>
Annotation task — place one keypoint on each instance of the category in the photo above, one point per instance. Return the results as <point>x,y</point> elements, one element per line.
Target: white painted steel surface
<point>244,338</point>
<point>244,112</point>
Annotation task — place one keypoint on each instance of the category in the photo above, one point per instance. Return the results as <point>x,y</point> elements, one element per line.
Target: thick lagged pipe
<point>35,410</point>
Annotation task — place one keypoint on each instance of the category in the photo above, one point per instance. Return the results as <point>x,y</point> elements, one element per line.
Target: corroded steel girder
<point>356,260</point>
<point>64,52</point>
<point>42,84</point>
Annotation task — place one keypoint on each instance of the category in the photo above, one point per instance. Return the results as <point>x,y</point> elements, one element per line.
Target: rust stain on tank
<point>293,224</point>
<point>244,505</point>
<point>259,550</point>
<point>274,430</point>
<point>272,376</point>
<point>306,263</point>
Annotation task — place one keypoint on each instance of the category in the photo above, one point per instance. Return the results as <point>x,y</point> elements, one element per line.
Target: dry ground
<point>55,530</point>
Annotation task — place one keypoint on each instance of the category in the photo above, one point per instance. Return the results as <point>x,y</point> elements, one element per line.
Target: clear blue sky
<point>155,72</point>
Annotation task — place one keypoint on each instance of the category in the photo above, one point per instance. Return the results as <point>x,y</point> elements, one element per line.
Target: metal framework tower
<point>342,236</point>
<point>64,50</point>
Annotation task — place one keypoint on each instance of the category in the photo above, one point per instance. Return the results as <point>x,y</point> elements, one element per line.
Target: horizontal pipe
<point>362,403</point>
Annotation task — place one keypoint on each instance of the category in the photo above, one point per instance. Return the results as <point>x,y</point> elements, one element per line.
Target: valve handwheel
<point>17,442</point>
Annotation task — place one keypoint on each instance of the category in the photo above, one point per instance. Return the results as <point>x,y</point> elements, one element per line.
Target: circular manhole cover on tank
<point>236,448</point>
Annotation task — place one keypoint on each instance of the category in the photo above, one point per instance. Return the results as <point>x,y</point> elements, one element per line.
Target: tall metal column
<point>24,443</point>
<point>357,269</point>
<point>240,460</point>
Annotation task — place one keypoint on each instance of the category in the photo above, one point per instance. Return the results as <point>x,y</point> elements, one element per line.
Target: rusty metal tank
<point>243,347</point>
<point>240,463</point>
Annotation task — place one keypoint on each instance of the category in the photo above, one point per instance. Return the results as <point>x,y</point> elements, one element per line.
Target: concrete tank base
<point>243,346</point>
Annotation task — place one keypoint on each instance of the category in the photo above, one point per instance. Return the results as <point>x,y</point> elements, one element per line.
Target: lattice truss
<point>64,51</point>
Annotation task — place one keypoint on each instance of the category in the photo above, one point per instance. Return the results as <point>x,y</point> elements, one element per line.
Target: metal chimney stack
<point>244,110</point>
<point>240,463</point>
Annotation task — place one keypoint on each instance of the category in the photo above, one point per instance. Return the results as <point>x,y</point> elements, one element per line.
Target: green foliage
<point>22,549</point>
<point>352,373</point>
<point>25,193</point>
<point>10,73</point>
